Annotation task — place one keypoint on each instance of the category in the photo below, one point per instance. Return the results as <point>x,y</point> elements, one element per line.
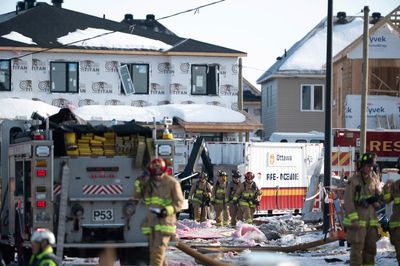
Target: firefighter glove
<point>373,199</point>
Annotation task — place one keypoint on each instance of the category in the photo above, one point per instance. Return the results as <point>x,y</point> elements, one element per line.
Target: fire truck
<point>76,180</point>
<point>385,143</point>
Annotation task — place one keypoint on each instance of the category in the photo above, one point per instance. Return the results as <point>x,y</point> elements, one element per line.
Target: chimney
<point>150,17</point>
<point>128,18</point>
<point>29,4</point>
<point>57,3</point>
<point>341,18</point>
<point>19,7</point>
<point>376,16</point>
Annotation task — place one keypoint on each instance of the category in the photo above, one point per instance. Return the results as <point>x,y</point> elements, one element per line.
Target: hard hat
<point>367,158</point>
<point>236,174</point>
<point>157,166</point>
<point>249,176</point>
<point>222,173</point>
<point>203,175</point>
<point>43,234</point>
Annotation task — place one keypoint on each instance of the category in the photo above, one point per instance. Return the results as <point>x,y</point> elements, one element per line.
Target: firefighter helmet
<point>367,158</point>
<point>43,234</point>
<point>203,175</point>
<point>236,174</point>
<point>249,176</point>
<point>222,173</point>
<point>157,166</point>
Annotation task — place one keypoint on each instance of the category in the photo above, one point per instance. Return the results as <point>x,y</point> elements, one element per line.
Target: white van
<point>298,137</point>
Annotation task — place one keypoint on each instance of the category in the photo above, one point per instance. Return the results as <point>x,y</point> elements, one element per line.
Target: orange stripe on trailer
<point>266,192</point>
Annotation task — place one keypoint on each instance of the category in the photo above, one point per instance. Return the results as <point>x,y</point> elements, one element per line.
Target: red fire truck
<point>385,143</point>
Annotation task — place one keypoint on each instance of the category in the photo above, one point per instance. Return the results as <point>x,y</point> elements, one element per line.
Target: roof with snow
<point>12,108</point>
<point>308,56</point>
<point>47,26</point>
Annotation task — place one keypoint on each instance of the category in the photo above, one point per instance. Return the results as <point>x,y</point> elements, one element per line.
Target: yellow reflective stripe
<point>394,224</point>
<point>235,198</point>
<point>146,230</point>
<point>199,191</point>
<point>138,188</point>
<point>248,194</point>
<point>196,200</point>
<point>396,200</point>
<point>220,191</point>
<point>353,216</point>
<point>373,223</point>
<point>219,201</point>
<point>346,221</point>
<point>157,200</point>
<point>243,203</point>
<point>171,229</point>
<point>170,210</point>
<point>362,223</point>
<point>386,196</point>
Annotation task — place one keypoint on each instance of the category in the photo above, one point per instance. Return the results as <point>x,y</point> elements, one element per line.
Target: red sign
<point>385,143</point>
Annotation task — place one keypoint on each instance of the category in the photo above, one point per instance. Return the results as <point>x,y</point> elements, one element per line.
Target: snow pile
<point>12,108</point>
<point>275,227</point>
<point>111,39</point>
<point>18,37</point>
<point>199,113</point>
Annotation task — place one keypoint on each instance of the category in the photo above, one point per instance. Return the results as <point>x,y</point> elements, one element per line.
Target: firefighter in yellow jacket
<point>200,197</point>
<point>233,186</point>
<point>391,192</point>
<point>163,198</point>
<point>361,197</point>
<point>218,199</point>
<point>248,197</point>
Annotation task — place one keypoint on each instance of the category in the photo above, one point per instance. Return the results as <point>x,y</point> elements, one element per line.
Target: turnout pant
<point>235,213</point>
<point>395,240</point>
<point>221,214</point>
<point>247,213</point>
<point>158,244</point>
<point>200,213</point>
<point>363,245</point>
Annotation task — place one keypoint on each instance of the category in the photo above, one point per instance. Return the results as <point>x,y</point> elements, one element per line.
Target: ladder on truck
<point>62,211</point>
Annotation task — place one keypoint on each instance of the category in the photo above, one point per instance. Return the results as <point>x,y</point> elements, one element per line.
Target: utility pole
<point>364,89</point>
<point>328,116</point>
<point>240,93</point>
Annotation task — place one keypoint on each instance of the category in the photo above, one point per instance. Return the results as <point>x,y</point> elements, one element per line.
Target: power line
<point>196,9</point>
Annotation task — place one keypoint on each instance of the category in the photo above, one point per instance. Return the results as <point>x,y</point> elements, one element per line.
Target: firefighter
<point>248,197</point>
<point>42,252</point>
<point>200,197</point>
<point>391,192</point>
<point>163,197</point>
<point>218,199</point>
<point>361,197</point>
<point>234,209</point>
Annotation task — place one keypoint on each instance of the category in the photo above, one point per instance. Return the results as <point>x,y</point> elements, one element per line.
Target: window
<point>269,96</point>
<point>5,75</point>
<point>64,77</point>
<point>312,98</point>
<point>140,78</point>
<point>204,79</point>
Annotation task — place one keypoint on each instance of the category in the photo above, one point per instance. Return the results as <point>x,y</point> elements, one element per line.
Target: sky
<point>261,28</point>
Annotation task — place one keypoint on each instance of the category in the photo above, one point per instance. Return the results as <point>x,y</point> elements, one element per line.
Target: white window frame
<point>312,98</point>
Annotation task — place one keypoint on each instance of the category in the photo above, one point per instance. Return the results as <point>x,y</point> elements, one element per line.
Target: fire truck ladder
<point>199,150</point>
<point>62,210</point>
